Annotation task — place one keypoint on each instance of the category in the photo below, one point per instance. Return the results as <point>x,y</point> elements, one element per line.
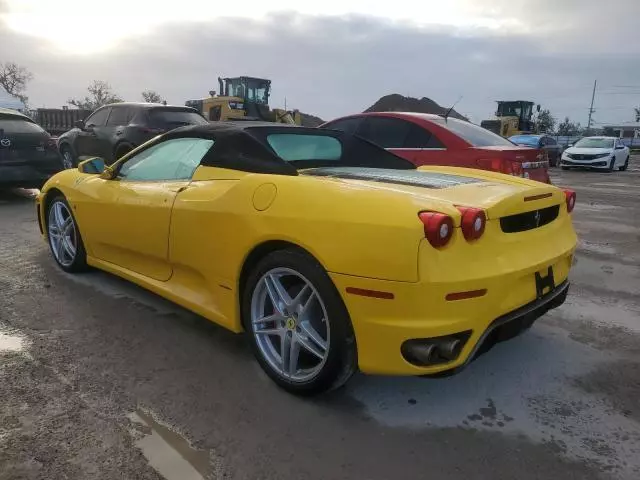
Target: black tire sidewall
<point>80,261</point>
<point>341,361</point>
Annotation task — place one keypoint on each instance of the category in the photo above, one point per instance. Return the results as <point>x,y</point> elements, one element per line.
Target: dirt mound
<point>310,120</point>
<point>399,103</point>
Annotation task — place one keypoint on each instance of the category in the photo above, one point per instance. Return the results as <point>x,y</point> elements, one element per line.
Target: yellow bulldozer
<point>243,98</point>
<point>514,117</point>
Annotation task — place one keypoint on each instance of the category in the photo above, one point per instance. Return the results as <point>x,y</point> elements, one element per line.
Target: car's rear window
<point>175,118</point>
<point>11,124</point>
<point>295,147</point>
<point>525,140</point>
<point>473,134</point>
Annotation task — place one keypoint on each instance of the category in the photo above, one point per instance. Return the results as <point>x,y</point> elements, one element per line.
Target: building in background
<point>623,130</point>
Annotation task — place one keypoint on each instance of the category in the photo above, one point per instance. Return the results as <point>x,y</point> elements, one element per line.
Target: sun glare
<point>83,27</point>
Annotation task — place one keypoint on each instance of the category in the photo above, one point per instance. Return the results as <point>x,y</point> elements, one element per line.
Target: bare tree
<point>151,96</point>
<point>100,94</point>
<point>637,112</point>
<point>14,79</point>
<point>545,121</point>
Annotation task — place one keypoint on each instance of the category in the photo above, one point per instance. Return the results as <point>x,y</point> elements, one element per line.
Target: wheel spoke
<point>287,353</point>
<point>269,318</point>
<point>294,353</point>
<point>269,331</point>
<point>302,299</point>
<point>278,294</point>
<point>313,335</point>
<point>59,247</point>
<point>68,248</point>
<point>57,212</point>
<point>310,347</point>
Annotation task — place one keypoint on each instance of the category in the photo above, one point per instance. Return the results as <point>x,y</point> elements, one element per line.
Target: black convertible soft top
<point>244,146</point>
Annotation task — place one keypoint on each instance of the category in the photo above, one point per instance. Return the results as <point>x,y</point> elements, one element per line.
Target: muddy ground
<point>101,380</point>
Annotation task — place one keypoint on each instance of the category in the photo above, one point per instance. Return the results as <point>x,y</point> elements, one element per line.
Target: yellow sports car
<point>332,253</point>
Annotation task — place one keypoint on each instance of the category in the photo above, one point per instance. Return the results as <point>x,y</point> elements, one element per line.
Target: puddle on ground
<point>11,343</point>
<point>168,452</point>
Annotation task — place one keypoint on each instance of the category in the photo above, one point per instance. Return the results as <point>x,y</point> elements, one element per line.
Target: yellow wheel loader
<point>243,98</point>
<point>513,118</point>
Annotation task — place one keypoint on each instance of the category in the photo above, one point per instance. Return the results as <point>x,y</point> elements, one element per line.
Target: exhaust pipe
<point>449,349</point>
<point>424,352</point>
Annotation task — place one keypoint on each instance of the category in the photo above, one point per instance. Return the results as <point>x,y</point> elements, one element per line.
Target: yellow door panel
<point>139,227</point>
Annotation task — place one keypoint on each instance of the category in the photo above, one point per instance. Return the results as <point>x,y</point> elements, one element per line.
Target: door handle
<point>119,132</point>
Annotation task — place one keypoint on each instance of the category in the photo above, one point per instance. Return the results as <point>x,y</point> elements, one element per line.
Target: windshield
<point>473,134</point>
<point>525,140</point>
<point>594,143</point>
<point>175,117</point>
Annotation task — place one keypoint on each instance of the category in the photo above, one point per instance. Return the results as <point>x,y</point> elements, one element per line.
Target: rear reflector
<point>370,293</point>
<point>570,195</point>
<point>537,197</point>
<point>464,295</point>
<point>438,228</point>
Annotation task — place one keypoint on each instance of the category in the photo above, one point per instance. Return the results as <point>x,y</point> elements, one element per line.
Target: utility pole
<point>593,96</point>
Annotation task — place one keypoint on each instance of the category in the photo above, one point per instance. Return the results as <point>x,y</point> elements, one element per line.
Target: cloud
<point>331,66</point>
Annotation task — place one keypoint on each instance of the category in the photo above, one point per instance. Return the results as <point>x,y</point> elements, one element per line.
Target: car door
<point>125,220</point>
<point>89,141</point>
<point>620,152</point>
<point>113,133</point>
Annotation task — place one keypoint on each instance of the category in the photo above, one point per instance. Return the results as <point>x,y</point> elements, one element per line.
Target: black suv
<point>114,130</point>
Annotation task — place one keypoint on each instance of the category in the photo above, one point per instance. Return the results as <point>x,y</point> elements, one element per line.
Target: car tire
<point>310,324</point>
<point>625,166</point>
<point>564,168</point>
<point>612,165</point>
<point>64,236</point>
<point>68,158</point>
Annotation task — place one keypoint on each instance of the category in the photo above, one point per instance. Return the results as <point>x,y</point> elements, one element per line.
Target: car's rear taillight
<point>472,223</point>
<point>501,165</point>
<point>570,196</point>
<point>438,228</point>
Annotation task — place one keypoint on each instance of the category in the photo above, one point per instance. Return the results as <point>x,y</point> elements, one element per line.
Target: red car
<point>426,139</point>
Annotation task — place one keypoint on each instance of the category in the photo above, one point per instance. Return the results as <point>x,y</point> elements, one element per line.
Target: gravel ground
<point>100,379</point>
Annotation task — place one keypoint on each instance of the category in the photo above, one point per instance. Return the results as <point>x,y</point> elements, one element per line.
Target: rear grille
<point>529,220</point>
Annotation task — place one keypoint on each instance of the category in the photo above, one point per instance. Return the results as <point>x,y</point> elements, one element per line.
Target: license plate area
<point>545,282</point>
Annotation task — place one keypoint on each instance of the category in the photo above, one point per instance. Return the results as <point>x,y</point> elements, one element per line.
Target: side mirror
<point>79,124</point>
<point>94,165</point>
<point>620,147</point>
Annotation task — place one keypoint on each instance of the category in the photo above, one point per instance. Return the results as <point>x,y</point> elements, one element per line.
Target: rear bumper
<point>420,311</point>
<point>27,175</point>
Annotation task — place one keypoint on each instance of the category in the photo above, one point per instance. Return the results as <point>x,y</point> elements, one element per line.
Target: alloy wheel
<point>62,233</point>
<point>290,324</point>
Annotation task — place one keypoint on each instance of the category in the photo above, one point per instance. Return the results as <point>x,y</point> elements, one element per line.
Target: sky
<point>337,57</point>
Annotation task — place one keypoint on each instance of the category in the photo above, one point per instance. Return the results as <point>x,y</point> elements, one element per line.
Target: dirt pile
<point>399,103</point>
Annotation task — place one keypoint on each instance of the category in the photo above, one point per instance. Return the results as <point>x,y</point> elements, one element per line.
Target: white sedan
<point>596,152</point>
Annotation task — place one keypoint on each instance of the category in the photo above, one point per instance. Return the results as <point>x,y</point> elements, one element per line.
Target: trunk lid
<point>497,194</point>
<point>528,162</point>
